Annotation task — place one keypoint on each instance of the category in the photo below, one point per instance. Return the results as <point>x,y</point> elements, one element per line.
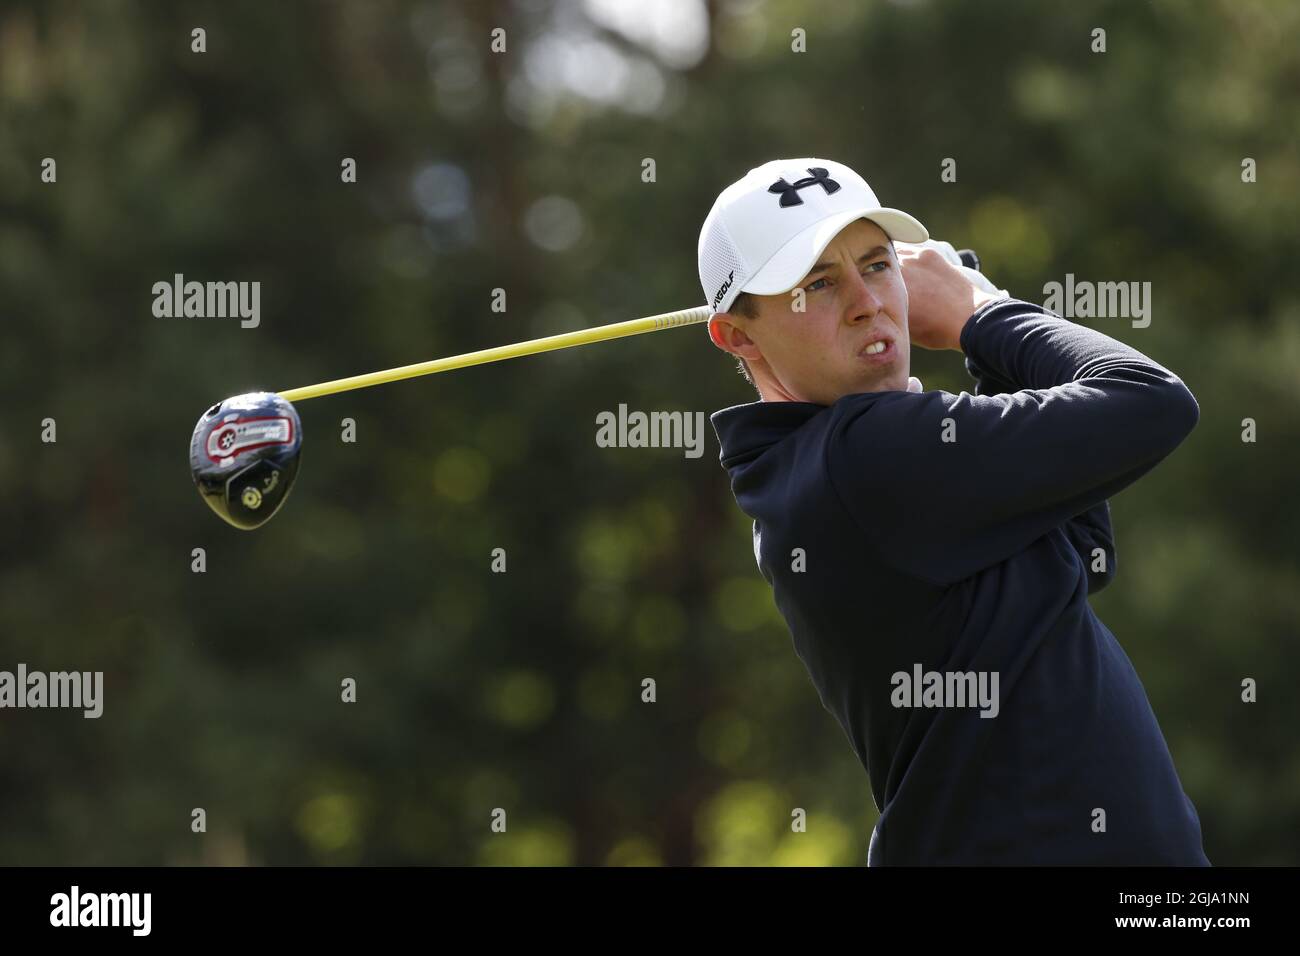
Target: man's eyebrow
<point>869,254</point>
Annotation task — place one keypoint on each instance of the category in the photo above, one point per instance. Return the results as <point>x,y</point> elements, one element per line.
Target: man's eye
<point>812,286</point>
<point>883,263</point>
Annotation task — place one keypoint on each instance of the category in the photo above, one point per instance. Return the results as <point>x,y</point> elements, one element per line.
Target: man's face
<point>854,298</point>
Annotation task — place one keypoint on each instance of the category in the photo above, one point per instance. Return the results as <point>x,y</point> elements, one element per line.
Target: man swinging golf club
<point>932,553</point>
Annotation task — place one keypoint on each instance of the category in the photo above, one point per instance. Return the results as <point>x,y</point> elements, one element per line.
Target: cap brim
<point>793,261</point>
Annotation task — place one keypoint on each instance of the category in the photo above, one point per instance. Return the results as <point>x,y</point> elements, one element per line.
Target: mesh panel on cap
<point>718,259</point>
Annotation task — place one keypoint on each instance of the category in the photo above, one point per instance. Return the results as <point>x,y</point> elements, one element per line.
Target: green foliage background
<point>521,690</point>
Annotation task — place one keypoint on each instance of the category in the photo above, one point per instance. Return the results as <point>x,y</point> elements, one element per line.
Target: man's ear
<point>727,335</point>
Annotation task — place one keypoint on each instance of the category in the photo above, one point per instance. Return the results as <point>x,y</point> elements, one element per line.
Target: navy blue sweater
<point>962,535</point>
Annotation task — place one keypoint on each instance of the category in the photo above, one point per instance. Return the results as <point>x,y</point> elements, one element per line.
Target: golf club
<point>245,450</point>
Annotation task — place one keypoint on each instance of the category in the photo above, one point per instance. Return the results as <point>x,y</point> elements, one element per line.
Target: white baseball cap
<point>765,231</point>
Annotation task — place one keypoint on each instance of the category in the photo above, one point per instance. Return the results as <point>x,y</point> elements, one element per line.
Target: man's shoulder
<point>746,431</point>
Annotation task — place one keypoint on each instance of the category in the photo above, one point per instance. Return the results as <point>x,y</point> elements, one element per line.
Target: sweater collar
<point>746,431</point>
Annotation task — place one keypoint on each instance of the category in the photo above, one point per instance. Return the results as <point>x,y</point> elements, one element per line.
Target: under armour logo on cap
<point>790,193</point>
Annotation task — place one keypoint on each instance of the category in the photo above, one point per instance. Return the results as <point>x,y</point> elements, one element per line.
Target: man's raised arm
<point>946,484</point>
<point>1088,531</point>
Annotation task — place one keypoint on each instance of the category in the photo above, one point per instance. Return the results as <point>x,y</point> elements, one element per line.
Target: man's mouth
<point>878,350</point>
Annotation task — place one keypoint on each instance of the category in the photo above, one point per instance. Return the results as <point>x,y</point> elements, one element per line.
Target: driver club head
<point>244,457</point>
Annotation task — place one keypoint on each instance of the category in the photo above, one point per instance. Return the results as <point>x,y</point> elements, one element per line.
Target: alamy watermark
<point>82,690</point>
<point>946,689</point>
<point>1101,300</point>
<point>208,300</point>
<point>76,908</point>
<point>651,430</point>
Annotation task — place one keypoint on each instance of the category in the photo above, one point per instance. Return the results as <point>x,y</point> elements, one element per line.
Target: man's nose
<point>863,303</point>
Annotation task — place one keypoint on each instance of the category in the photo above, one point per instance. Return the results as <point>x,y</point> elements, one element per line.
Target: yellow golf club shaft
<point>601,333</point>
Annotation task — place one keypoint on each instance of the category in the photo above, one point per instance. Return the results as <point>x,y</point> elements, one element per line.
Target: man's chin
<point>893,382</point>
